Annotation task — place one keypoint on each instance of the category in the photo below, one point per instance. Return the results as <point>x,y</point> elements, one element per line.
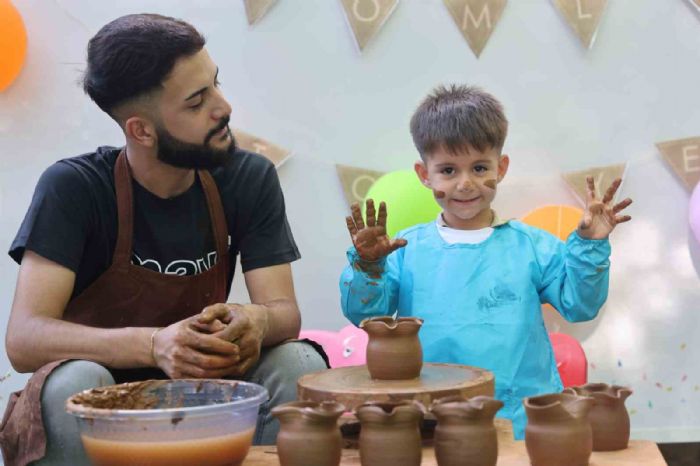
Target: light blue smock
<point>481,303</point>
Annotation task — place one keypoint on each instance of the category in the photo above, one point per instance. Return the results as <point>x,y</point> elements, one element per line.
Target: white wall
<point>296,79</point>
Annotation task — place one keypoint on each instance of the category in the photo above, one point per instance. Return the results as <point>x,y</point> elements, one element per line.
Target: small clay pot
<point>558,432</point>
<point>465,434</point>
<point>609,418</point>
<point>394,351</point>
<point>390,433</point>
<point>309,433</point>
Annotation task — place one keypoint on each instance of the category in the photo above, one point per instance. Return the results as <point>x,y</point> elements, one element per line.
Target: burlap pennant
<point>275,154</point>
<point>695,4</point>
<point>602,177</point>
<point>583,16</point>
<point>356,181</point>
<point>366,17</point>
<point>256,9</point>
<point>476,19</point>
<point>683,155</point>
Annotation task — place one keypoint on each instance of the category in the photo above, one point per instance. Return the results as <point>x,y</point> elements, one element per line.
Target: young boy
<point>477,281</point>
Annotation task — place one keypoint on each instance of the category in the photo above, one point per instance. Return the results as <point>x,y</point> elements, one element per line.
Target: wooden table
<point>512,454</point>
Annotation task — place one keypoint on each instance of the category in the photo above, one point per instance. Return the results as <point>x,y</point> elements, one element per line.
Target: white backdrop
<point>296,79</point>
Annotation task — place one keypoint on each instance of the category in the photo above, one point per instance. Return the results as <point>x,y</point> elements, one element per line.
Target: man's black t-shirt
<point>72,219</point>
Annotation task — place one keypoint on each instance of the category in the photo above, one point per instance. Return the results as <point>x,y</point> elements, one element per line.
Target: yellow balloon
<point>13,43</point>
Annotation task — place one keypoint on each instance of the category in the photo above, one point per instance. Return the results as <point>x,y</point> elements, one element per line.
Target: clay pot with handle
<point>309,433</point>
<point>609,418</point>
<point>390,433</point>
<point>394,351</point>
<point>558,432</point>
<point>465,434</point>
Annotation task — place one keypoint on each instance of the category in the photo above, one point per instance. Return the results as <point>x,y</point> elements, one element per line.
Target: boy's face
<point>464,184</point>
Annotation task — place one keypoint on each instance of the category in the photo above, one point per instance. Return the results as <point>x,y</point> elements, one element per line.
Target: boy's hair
<point>456,118</point>
<point>132,55</point>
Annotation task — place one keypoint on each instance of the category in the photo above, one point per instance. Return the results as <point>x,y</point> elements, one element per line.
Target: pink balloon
<point>694,212</point>
<point>344,348</point>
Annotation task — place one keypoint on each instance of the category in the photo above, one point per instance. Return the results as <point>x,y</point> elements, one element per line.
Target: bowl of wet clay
<point>187,422</point>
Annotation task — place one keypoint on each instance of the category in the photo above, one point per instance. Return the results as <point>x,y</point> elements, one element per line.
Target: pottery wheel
<point>352,385</point>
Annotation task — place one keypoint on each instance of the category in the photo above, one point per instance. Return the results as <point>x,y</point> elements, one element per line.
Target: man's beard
<point>183,154</point>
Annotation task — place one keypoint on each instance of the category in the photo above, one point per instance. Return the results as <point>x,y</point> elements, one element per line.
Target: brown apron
<point>125,295</point>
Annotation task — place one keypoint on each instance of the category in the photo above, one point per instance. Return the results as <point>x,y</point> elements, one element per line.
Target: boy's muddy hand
<point>371,240</point>
<point>601,217</point>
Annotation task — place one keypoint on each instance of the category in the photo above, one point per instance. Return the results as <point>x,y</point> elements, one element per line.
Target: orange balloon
<point>559,220</point>
<point>13,43</point>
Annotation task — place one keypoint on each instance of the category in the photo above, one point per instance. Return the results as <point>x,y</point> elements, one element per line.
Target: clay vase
<point>558,432</point>
<point>394,351</point>
<point>609,419</point>
<point>390,433</point>
<point>465,434</point>
<point>309,433</point>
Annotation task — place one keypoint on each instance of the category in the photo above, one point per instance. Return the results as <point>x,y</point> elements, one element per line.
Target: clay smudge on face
<point>438,194</point>
<point>490,184</point>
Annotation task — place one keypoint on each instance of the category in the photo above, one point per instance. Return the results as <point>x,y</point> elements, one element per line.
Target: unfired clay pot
<point>558,432</point>
<point>394,351</point>
<point>465,434</point>
<point>610,421</point>
<point>309,433</point>
<point>390,433</point>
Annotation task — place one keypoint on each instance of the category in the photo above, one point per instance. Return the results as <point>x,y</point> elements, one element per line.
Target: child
<point>477,281</point>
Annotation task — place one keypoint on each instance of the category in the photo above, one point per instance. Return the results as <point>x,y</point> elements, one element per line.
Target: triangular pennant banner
<point>256,9</point>
<point>583,16</point>
<point>276,154</point>
<point>366,17</point>
<point>602,178</point>
<point>683,155</point>
<point>696,4</point>
<point>476,19</point>
<point>356,182</point>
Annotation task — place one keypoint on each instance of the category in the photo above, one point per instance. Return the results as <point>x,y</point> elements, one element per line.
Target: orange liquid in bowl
<point>225,450</point>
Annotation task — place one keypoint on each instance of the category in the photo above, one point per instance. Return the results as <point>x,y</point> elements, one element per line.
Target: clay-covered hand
<point>601,217</point>
<point>244,325</point>
<point>182,351</point>
<point>371,241</point>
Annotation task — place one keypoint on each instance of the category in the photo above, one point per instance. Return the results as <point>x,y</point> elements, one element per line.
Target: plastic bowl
<point>191,422</point>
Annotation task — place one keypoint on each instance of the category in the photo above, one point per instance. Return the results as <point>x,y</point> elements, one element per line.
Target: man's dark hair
<point>456,118</point>
<point>133,55</point>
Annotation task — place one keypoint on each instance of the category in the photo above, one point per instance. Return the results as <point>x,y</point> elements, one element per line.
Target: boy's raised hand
<point>371,241</point>
<point>601,217</point>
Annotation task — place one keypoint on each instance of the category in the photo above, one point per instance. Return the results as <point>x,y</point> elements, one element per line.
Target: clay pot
<point>390,433</point>
<point>309,433</point>
<point>609,419</point>
<point>465,434</point>
<point>558,432</point>
<point>394,351</point>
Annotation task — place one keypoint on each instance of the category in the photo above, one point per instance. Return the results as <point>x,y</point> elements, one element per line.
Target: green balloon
<point>408,202</point>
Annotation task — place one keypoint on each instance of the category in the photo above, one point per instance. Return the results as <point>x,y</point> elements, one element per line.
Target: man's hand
<point>371,241</point>
<point>182,351</point>
<point>243,325</point>
<point>600,217</point>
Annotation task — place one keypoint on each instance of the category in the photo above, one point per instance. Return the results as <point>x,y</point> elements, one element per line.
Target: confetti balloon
<point>13,43</point>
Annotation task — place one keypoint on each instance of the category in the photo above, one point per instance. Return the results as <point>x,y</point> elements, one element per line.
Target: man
<point>127,255</point>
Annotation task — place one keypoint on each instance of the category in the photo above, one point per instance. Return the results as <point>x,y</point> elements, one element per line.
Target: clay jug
<point>309,433</point>
<point>390,433</point>
<point>610,421</point>
<point>465,434</point>
<point>394,351</point>
<point>558,432</point>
